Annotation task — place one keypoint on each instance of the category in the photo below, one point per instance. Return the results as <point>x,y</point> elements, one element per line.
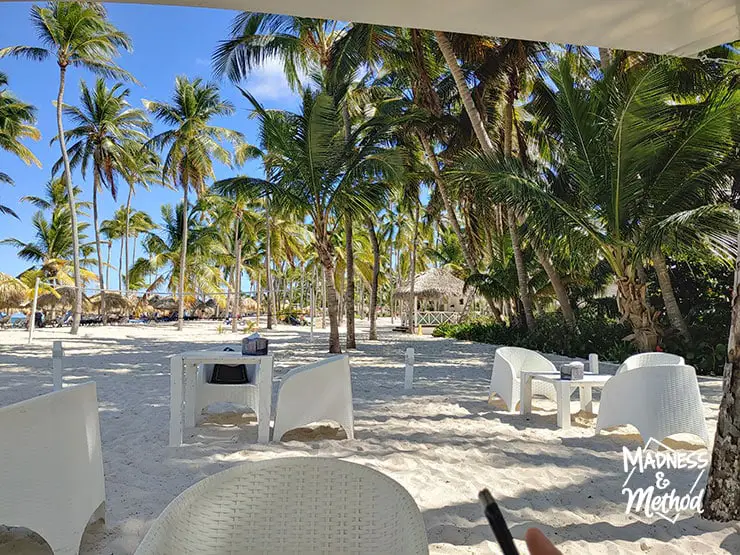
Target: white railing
<point>434,318</point>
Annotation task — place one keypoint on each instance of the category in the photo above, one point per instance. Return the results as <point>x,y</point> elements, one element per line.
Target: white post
<point>176,367</point>
<point>409,378</point>
<point>313,308</point>
<point>57,358</point>
<point>32,321</point>
<point>593,363</point>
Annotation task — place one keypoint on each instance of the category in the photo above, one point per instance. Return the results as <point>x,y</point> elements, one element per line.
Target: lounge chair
<point>313,393</point>
<point>649,359</point>
<point>658,400</point>
<point>508,362</point>
<point>52,467</point>
<point>290,506</point>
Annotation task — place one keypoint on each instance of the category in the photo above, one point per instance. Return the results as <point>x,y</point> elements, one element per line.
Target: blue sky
<point>167,41</point>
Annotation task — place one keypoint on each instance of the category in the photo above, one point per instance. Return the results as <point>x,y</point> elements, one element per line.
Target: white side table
<point>563,390</point>
<point>183,377</point>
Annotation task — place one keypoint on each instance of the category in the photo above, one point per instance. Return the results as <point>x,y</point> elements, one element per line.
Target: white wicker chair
<point>658,400</point>
<point>51,466</point>
<point>315,392</point>
<point>290,506</point>
<point>649,359</point>
<point>508,362</point>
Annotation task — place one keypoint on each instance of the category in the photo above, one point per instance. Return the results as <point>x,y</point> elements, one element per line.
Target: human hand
<point>538,543</point>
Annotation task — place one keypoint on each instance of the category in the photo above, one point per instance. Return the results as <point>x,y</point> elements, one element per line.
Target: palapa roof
<point>13,292</point>
<point>114,302</point>
<point>64,298</point>
<point>436,283</point>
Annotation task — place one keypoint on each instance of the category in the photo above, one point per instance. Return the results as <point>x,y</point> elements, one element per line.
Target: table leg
<point>525,394</point>
<point>562,390</point>
<point>265,400</point>
<point>191,376</point>
<point>176,401</point>
<point>586,395</point>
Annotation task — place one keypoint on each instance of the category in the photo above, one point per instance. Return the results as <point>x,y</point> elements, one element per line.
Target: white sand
<point>443,442</point>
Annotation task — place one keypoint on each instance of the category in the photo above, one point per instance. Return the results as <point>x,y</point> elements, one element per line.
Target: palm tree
<point>191,144</point>
<point>104,122</point>
<point>639,171</point>
<point>312,171</point>
<point>165,260</point>
<point>16,123</point>
<point>76,34</point>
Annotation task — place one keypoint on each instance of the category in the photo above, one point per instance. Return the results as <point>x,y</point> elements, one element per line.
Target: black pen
<point>498,524</point>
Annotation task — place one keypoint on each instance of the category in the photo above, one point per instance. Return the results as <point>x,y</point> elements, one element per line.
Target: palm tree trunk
<point>323,298</point>
<point>412,272</point>
<point>120,266</point>
<point>560,290</point>
<point>467,99</point>
<point>521,271</point>
<point>605,58</point>
<point>722,498</point>
<point>349,299</point>
<point>669,298</point>
<point>128,232</point>
<point>259,297</point>
<point>237,274</point>
<point>77,310</point>
<point>96,226</point>
<point>442,187</point>
<point>324,249</point>
<point>268,270</point>
<point>372,310</point>
<point>183,260</point>
<point>632,302</point>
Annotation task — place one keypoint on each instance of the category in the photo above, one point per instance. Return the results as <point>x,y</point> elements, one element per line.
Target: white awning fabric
<point>680,27</point>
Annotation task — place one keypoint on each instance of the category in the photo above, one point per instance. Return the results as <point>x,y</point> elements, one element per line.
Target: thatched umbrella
<point>114,302</point>
<point>13,292</point>
<point>436,283</point>
<point>64,298</point>
<point>164,303</point>
<point>248,304</point>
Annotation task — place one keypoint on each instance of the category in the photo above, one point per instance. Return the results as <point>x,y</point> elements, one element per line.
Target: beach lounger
<point>508,362</point>
<point>658,400</point>
<point>313,393</point>
<point>290,505</point>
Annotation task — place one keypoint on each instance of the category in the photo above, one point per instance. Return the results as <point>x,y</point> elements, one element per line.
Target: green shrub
<point>595,335</point>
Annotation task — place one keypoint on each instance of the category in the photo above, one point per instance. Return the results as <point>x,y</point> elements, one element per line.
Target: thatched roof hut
<point>248,304</point>
<point>114,302</point>
<point>64,298</point>
<point>436,283</point>
<point>164,303</point>
<point>13,292</point>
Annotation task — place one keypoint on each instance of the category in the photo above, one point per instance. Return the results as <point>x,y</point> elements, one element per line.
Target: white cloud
<point>201,62</point>
<point>268,82</point>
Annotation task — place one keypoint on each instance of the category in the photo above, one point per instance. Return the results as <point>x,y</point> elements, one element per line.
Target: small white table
<point>563,390</point>
<point>183,378</point>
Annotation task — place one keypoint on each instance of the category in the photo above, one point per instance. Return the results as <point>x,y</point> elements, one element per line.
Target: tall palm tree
<point>103,123</point>
<point>16,123</point>
<point>191,143</point>
<point>638,170</point>
<point>139,166</point>
<point>77,34</point>
<point>165,261</point>
<point>311,170</point>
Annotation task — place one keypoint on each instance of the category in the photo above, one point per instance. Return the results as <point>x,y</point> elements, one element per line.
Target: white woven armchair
<point>315,392</point>
<point>507,364</point>
<point>290,506</point>
<point>649,359</point>
<point>51,466</point>
<point>658,400</point>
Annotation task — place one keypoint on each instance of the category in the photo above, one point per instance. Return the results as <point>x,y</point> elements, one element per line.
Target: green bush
<point>595,335</point>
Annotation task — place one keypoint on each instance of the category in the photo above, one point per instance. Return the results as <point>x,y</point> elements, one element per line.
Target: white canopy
<point>680,27</point>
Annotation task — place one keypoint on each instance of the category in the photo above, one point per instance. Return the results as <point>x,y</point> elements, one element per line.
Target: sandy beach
<point>442,441</point>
